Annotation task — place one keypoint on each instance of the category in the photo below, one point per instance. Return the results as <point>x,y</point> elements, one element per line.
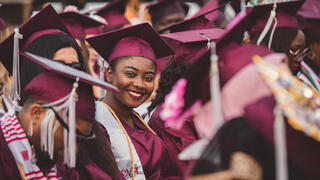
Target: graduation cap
<point>284,13</point>
<point>232,57</point>
<point>190,45</point>
<point>47,21</point>
<point>162,8</point>
<point>113,13</point>
<point>139,40</point>
<point>198,21</point>
<point>310,13</point>
<point>77,23</point>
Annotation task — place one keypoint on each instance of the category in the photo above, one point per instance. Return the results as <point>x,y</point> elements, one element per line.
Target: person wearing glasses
<point>132,54</point>
<point>287,37</point>
<point>310,68</point>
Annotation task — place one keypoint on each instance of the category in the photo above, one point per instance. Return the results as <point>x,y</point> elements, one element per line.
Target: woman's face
<point>134,77</point>
<point>297,45</point>
<point>68,55</point>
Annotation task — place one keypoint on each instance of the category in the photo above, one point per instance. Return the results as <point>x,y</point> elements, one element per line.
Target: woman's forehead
<point>138,63</point>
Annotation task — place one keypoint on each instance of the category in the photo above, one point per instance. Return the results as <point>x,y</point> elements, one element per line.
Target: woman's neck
<point>123,112</point>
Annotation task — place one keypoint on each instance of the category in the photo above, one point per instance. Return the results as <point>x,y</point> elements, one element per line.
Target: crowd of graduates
<point>148,90</point>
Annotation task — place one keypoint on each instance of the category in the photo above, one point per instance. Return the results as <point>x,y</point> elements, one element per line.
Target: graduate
<point>185,45</point>
<point>113,13</point>
<point>166,12</point>
<point>198,21</point>
<point>310,67</point>
<point>288,36</point>
<point>132,53</point>
<point>33,36</point>
<point>50,128</point>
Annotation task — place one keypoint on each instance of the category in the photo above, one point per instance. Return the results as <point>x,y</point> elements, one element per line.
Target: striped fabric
<point>307,75</point>
<point>21,150</point>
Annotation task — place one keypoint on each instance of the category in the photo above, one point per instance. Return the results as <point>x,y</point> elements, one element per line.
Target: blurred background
<point>16,12</point>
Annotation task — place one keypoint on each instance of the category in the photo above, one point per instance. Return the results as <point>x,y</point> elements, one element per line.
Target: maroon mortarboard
<point>187,44</point>
<point>140,40</point>
<point>234,57</point>
<point>68,97</point>
<point>255,20</point>
<point>285,15</point>
<point>162,8</point>
<point>198,21</point>
<point>44,87</point>
<point>301,149</point>
<point>3,24</point>
<point>113,13</point>
<point>47,21</point>
<point>77,23</point>
<point>310,13</point>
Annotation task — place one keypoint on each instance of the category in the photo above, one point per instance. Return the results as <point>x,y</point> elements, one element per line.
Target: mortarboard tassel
<point>214,84</point>
<point>266,29</point>
<point>15,91</point>
<point>101,64</point>
<point>67,106</point>
<point>215,87</point>
<point>280,145</point>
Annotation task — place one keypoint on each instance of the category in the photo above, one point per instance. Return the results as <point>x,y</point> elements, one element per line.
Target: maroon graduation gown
<point>175,140</point>
<point>152,152</point>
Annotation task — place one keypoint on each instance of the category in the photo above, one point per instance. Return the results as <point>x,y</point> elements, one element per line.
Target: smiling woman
<point>132,53</point>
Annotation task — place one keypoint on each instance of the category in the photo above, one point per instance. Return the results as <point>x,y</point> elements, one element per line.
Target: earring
<point>30,129</point>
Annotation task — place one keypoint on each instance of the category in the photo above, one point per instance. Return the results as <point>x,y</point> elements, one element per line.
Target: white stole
<point>119,144</point>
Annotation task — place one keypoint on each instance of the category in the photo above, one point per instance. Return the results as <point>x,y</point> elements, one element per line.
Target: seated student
<point>288,37</point>
<point>41,134</point>
<point>166,12</point>
<point>132,53</point>
<point>310,66</point>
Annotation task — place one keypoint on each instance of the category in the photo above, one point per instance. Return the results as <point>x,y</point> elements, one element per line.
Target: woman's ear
<point>109,75</point>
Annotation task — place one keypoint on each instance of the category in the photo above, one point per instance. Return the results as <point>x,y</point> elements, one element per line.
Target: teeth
<point>134,93</point>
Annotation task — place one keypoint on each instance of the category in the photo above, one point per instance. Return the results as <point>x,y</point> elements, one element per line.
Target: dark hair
<point>97,150</point>
<point>44,46</point>
<point>169,76</point>
<point>282,39</point>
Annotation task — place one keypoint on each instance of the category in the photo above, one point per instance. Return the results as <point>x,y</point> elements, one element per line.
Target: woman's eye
<point>149,78</point>
<point>130,74</point>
